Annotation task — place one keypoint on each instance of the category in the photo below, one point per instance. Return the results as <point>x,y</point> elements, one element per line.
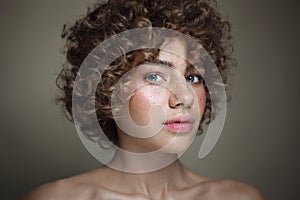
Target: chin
<point>178,145</point>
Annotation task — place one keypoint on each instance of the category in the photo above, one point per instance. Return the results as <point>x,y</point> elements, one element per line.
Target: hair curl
<point>199,19</point>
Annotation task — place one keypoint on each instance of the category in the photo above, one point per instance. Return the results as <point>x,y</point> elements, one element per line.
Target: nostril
<point>182,100</point>
<point>180,104</point>
<point>184,103</point>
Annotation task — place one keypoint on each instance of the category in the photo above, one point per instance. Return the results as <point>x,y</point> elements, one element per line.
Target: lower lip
<point>179,127</point>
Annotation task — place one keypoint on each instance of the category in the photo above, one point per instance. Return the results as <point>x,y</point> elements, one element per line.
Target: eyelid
<point>194,74</point>
<point>154,73</point>
<point>199,76</point>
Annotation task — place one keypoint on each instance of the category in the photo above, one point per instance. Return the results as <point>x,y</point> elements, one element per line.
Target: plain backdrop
<point>260,141</point>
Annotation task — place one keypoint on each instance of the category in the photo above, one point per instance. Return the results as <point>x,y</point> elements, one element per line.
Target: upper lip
<point>181,119</point>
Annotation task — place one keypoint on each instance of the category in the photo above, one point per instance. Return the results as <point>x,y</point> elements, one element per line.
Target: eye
<point>194,79</point>
<point>154,78</point>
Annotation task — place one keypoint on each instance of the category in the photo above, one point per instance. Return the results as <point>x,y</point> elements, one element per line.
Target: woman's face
<point>177,92</point>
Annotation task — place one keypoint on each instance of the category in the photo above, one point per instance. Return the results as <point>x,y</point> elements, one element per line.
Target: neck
<point>155,183</point>
<point>137,163</point>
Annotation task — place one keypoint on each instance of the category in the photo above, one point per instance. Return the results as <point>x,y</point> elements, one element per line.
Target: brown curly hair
<point>199,19</point>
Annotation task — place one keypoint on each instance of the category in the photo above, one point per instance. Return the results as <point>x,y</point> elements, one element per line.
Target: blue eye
<point>194,79</point>
<point>154,78</point>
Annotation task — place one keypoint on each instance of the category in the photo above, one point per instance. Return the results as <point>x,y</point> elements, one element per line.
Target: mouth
<point>180,124</point>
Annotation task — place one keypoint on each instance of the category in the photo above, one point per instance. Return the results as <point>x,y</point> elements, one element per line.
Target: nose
<point>182,96</point>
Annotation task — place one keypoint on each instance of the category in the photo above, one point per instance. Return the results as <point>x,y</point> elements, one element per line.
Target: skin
<point>179,97</point>
<point>171,182</point>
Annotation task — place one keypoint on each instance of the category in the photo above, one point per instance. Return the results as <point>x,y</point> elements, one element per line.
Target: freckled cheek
<point>201,98</point>
<point>141,103</point>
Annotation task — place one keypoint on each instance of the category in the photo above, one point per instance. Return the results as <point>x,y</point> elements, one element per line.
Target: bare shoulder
<point>61,189</point>
<point>79,187</point>
<point>230,189</point>
<point>207,188</point>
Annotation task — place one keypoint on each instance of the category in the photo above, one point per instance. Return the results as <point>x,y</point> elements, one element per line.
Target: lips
<point>180,124</point>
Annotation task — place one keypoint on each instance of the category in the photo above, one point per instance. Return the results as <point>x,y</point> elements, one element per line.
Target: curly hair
<point>199,19</point>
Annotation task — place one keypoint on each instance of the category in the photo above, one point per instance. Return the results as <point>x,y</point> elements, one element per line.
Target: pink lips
<point>180,124</point>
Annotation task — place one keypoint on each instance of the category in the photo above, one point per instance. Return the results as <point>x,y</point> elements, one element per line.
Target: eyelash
<point>154,74</point>
<point>146,78</point>
<point>200,79</point>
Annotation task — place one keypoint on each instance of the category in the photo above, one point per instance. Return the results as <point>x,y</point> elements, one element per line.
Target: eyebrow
<point>163,62</point>
<point>191,69</point>
<point>188,68</point>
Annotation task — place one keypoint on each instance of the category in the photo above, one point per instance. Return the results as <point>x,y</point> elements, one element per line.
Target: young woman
<point>161,94</point>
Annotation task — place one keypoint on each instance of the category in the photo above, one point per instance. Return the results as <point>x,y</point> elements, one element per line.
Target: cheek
<point>201,98</point>
<point>142,101</point>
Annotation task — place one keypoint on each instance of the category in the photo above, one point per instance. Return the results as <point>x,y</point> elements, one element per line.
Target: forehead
<point>174,51</point>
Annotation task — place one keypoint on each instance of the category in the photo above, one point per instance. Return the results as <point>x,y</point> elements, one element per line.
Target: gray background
<point>259,144</point>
